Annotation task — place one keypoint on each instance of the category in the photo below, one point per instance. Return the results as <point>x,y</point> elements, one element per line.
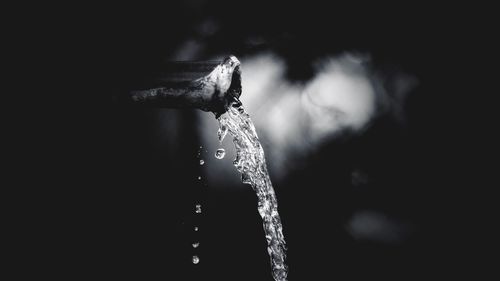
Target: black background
<point>120,208</point>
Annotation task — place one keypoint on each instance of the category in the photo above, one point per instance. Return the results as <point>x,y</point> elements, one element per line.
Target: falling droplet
<point>198,208</point>
<point>202,162</point>
<point>195,245</point>
<point>196,259</point>
<point>199,178</point>
<point>220,153</point>
<point>195,228</point>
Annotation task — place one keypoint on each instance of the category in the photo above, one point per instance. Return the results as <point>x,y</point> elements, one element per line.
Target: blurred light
<point>377,227</point>
<point>294,119</point>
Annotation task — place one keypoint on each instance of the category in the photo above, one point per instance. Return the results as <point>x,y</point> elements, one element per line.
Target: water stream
<point>251,163</point>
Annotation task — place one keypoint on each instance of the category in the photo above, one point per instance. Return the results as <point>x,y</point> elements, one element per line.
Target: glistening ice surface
<point>251,163</point>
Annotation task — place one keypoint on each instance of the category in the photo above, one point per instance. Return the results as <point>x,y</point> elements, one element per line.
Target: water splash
<point>220,153</point>
<point>251,163</point>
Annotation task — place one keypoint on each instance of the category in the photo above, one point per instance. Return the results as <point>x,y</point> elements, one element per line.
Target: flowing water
<point>250,162</point>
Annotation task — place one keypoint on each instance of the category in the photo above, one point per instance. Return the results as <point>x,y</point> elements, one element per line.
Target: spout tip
<point>227,78</point>
<point>233,93</point>
<point>231,61</point>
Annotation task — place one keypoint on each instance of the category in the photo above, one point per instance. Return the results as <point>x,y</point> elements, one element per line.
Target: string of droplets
<point>251,163</point>
<point>196,259</point>
<point>219,154</point>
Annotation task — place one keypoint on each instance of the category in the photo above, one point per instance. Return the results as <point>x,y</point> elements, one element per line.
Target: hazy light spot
<point>196,259</point>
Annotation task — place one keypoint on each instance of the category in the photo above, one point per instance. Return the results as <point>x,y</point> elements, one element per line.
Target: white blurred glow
<point>294,119</point>
<point>340,96</point>
<point>378,227</point>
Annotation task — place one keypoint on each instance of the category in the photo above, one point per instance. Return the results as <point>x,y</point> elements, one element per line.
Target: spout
<point>180,88</point>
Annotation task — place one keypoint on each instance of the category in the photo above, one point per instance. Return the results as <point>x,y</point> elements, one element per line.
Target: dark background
<point>125,208</point>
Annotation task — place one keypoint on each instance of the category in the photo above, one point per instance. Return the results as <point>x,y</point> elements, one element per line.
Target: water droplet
<point>220,153</point>
<point>195,245</point>
<point>202,162</point>
<point>221,133</point>
<point>196,259</point>
<point>199,178</point>
<point>195,228</point>
<point>198,208</point>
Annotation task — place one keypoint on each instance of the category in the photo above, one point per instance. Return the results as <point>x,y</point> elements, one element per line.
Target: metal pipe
<point>183,85</point>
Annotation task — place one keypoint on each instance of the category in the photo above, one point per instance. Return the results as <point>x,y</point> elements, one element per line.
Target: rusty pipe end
<point>214,92</point>
<point>227,78</point>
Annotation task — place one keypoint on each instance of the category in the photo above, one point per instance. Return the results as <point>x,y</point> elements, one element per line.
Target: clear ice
<point>251,163</point>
